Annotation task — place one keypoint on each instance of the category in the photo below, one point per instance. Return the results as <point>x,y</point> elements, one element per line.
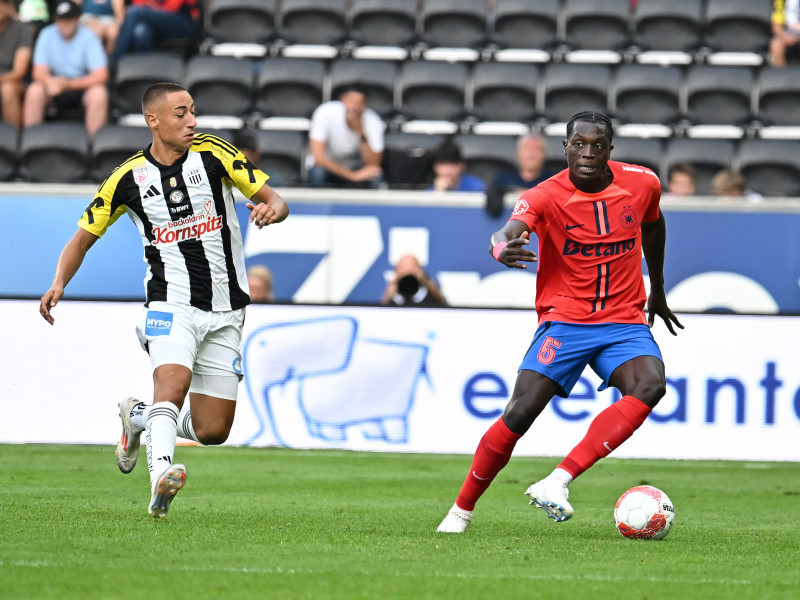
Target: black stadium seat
<point>282,155</point>
<point>242,21</point>
<point>668,25</point>
<point>573,88</point>
<point>138,71</point>
<point>221,85</point>
<point>504,91</point>
<point>9,137</point>
<point>738,25</point>
<point>113,144</point>
<point>719,95</point>
<point>289,87</point>
<point>454,23</point>
<point>376,77</point>
<point>313,22</point>
<point>647,94</point>
<point>526,24</point>
<point>707,156</point>
<point>433,90</point>
<point>645,152</point>
<point>779,95</point>
<point>54,152</point>
<point>383,22</point>
<point>770,166</point>
<point>592,25</point>
<point>486,156</point>
<point>408,159</point>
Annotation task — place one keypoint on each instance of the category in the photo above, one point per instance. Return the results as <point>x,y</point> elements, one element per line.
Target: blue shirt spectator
<point>449,171</point>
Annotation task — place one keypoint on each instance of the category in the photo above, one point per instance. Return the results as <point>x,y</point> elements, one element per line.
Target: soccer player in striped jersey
<point>178,193</point>
<point>593,221</point>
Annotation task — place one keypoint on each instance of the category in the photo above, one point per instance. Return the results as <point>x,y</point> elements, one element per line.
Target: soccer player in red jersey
<point>593,221</point>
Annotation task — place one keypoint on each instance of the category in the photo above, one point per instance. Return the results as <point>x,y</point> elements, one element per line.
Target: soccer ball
<point>644,512</point>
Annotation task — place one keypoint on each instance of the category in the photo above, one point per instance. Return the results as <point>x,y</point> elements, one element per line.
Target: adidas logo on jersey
<point>151,192</point>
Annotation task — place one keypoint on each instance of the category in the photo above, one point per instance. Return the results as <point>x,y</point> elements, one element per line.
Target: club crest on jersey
<point>521,207</point>
<point>195,177</point>
<point>140,175</point>
<point>176,196</point>
<point>628,218</point>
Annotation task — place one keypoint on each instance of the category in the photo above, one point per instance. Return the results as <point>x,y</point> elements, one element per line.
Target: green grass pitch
<point>277,523</point>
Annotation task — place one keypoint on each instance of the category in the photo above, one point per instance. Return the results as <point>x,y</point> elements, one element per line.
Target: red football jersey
<point>590,245</point>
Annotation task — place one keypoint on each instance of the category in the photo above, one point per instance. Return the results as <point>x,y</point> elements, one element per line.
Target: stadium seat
<point>504,91</point>
<point>383,22</point>
<point>593,25</point>
<point>9,138</point>
<point>282,156</point>
<point>376,77</point>
<point>779,96</point>
<point>719,95</point>
<point>313,22</point>
<point>289,87</point>
<point>136,72</point>
<point>486,156</point>
<point>770,166</point>
<point>668,31</point>
<point>707,156</point>
<point>522,24</point>
<point>738,26</point>
<point>221,85</point>
<point>408,159</point>
<point>573,88</point>
<point>54,152</point>
<point>112,145</point>
<point>554,147</point>
<point>433,90</point>
<point>454,23</point>
<point>647,94</point>
<point>638,151</point>
<point>242,21</point>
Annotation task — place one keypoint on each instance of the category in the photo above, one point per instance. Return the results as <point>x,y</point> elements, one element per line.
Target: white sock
<point>139,415</point>
<point>562,474</point>
<point>458,509</point>
<point>185,427</point>
<point>161,432</point>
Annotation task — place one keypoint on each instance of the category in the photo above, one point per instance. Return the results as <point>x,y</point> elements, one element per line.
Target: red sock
<point>493,453</point>
<point>606,433</point>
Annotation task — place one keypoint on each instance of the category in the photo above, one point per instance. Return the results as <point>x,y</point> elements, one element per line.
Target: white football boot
<point>128,447</point>
<point>550,494</point>
<point>455,522</point>
<point>164,490</point>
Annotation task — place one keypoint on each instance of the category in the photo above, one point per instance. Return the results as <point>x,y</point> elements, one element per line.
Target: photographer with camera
<point>412,286</point>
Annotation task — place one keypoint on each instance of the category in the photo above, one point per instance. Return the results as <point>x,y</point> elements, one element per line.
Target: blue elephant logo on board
<point>316,380</point>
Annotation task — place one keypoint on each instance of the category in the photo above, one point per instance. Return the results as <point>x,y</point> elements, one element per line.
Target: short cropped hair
<point>590,116</point>
<point>448,152</point>
<point>157,91</point>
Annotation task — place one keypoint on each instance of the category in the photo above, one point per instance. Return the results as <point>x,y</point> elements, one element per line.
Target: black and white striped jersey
<point>186,216</point>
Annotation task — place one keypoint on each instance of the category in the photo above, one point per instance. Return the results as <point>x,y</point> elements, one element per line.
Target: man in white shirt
<point>346,142</point>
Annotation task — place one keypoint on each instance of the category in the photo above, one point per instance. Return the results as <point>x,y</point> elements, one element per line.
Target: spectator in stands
<point>732,184</point>
<point>148,21</point>
<point>785,32</point>
<point>104,17</point>
<point>531,155</point>
<point>681,181</point>
<point>411,286</point>
<point>70,70</point>
<point>449,171</point>
<point>346,142</point>
<point>15,60</point>
<point>259,279</point>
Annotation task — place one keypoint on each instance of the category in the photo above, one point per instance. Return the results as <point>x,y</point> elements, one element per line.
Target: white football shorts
<point>208,343</point>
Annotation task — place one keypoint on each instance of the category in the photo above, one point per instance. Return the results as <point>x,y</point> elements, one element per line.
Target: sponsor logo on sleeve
<point>521,207</point>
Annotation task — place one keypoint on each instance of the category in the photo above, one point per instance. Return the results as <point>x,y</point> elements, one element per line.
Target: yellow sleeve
<point>240,171</point>
<point>778,12</point>
<point>108,203</point>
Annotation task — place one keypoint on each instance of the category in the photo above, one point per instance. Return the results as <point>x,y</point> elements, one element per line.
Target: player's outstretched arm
<point>68,264</point>
<point>267,207</point>
<point>654,240</point>
<point>506,245</point>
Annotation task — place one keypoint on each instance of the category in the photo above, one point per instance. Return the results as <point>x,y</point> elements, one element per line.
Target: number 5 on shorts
<point>547,353</point>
